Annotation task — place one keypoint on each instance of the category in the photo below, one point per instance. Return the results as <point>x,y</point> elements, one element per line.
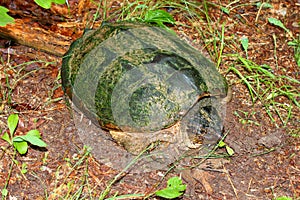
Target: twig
<point>120,174</point>
<point>231,183</point>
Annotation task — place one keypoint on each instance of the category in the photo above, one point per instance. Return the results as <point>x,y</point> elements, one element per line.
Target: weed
<point>229,150</point>
<point>20,144</point>
<point>295,42</point>
<point>144,11</point>
<point>175,188</point>
<point>159,17</point>
<point>126,196</point>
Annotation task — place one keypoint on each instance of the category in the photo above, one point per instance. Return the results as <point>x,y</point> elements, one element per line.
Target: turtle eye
<point>197,140</point>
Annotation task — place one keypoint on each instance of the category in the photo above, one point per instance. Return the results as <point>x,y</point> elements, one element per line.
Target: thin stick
<point>231,183</point>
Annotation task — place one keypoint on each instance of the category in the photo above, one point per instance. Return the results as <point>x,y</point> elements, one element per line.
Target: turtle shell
<point>134,77</point>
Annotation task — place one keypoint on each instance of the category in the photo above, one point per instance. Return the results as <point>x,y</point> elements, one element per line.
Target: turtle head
<point>202,125</point>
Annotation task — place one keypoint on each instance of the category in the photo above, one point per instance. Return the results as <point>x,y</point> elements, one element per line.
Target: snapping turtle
<point>143,85</point>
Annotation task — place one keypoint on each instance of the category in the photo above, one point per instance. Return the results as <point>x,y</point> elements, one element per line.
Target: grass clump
<point>273,91</point>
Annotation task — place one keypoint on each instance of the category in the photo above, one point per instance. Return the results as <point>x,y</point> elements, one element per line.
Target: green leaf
<point>24,168</point>
<point>59,1</point>
<point>263,5</point>
<point>18,139</point>
<point>5,137</point>
<point>297,57</point>
<point>283,198</point>
<point>277,22</point>
<point>4,17</point>
<point>12,123</point>
<point>4,192</point>
<point>34,133</point>
<point>32,139</point>
<point>44,3</point>
<point>292,43</point>
<point>159,17</point>
<point>47,3</point>
<point>21,147</point>
<point>35,141</point>
<point>245,43</point>
<point>229,150</point>
<point>174,189</point>
<point>169,193</point>
<point>221,144</point>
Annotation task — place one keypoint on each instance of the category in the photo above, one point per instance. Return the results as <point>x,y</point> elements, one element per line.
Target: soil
<point>266,160</point>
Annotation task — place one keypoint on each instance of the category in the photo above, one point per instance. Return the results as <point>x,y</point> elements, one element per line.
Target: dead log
<point>24,32</point>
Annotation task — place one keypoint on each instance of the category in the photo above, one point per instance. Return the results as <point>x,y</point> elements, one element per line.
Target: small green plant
<point>159,17</point>
<point>174,189</point>
<point>20,143</point>
<point>229,150</point>
<point>295,42</point>
<point>156,16</point>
